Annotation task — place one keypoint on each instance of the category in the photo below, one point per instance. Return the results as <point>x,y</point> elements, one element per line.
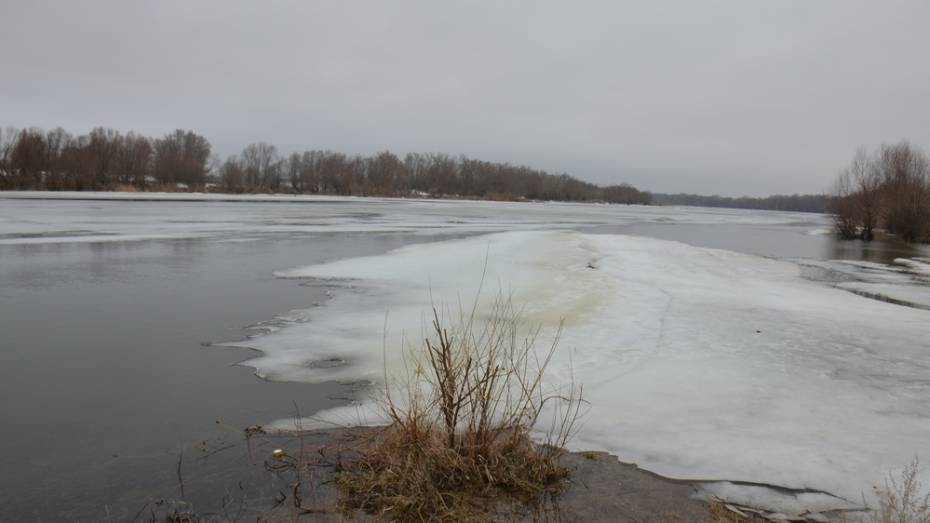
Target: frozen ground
<point>697,363</point>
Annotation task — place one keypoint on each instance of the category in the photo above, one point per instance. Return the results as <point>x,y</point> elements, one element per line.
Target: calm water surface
<point>104,369</point>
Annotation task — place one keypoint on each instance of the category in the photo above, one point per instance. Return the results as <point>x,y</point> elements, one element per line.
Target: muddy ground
<point>246,483</point>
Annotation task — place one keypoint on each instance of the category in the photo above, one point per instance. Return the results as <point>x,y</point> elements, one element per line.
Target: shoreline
<point>206,196</point>
<point>600,488</point>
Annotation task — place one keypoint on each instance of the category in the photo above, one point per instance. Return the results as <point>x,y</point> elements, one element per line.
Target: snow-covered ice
<point>68,217</point>
<point>904,282</point>
<point>919,266</point>
<point>697,363</point>
<point>909,295</point>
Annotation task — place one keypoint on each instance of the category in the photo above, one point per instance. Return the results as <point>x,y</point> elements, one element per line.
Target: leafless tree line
<point>100,160</point>
<point>260,168</point>
<point>888,189</point>
<point>105,159</point>
<point>778,202</point>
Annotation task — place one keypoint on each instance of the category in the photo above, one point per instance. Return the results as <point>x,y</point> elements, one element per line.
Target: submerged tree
<point>889,189</point>
<point>857,198</point>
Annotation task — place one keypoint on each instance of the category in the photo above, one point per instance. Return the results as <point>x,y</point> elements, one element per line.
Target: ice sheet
<point>920,266</point>
<point>698,363</point>
<point>63,217</point>
<point>908,295</point>
<point>905,282</point>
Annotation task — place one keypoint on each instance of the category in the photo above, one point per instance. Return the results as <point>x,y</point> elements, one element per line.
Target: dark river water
<point>106,368</point>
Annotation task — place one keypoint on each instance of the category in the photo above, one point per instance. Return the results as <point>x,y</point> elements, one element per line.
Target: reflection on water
<point>877,251</point>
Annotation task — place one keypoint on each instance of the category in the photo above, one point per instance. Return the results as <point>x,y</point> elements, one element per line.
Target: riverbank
<point>249,483</point>
<point>600,487</point>
<point>162,195</point>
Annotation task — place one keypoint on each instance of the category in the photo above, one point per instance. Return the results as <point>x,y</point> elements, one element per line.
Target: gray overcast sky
<point>738,97</point>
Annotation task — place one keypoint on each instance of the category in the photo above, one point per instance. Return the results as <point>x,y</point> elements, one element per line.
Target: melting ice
<point>698,363</point>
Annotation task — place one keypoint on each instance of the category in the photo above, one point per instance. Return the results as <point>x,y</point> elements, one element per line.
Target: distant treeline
<point>793,202</point>
<point>888,189</point>
<point>106,159</point>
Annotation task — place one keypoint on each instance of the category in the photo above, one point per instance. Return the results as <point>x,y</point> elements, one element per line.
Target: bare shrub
<point>903,500</point>
<point>887,190</point>
<point>461,437</point>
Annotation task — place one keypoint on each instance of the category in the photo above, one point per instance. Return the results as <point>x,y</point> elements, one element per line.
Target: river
<point>112,309</point>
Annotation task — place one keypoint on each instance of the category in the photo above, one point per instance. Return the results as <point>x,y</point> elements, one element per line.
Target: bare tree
<point>261,165</point>
<point>888,190</point>
<point>386,174</point>
<point>181,157</point>
<point>906,179</point>
<point>232,179</point>
<point>858,197</point>
<point>106,159</point>
<point>7,143</point>
<point>28,159</point>
<point>133,160</point>
<point>292,168</point>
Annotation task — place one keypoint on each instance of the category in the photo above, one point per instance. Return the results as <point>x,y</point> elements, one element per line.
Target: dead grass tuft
<point>124,187</point>
<point>903,500</point>
<point>721,512</point>
<point>459,443</point>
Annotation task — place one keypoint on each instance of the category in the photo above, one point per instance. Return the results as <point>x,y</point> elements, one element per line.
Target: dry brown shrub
<point>903,500</point>
<point>459,443</point>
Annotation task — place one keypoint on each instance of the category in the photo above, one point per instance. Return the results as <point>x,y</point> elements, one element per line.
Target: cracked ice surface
<point>697,363</point>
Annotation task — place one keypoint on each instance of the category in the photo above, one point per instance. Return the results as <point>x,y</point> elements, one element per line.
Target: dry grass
<point>903,500</point>
<point>459,441</point>
<point>720,512</point>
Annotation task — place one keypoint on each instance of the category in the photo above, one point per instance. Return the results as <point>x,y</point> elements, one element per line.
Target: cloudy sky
<point>738,97</point>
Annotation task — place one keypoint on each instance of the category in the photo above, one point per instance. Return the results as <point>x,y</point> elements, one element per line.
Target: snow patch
<point>819,232</point>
